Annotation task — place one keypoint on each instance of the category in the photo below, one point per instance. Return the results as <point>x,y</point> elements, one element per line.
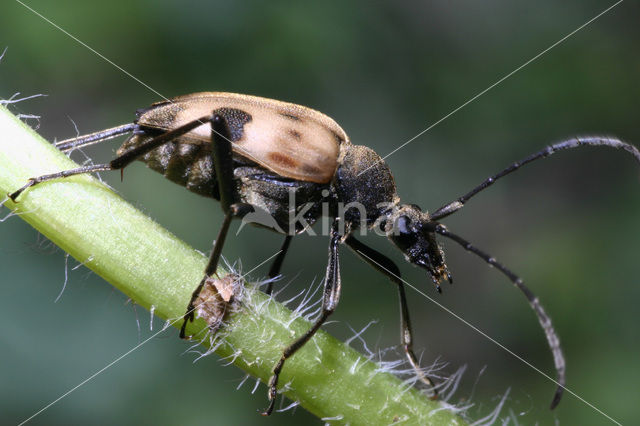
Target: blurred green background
<point>385,71</point>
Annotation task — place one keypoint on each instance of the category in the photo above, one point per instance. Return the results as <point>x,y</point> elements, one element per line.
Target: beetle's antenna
<point>93,138</point>
<point>456,205</point>
<point>534,302</point>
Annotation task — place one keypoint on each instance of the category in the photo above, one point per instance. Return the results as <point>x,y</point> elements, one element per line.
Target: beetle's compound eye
<point>403,225</point>
<point>403,234</point>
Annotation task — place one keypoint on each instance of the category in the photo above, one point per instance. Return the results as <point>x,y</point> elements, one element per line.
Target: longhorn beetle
<point>250,152</point>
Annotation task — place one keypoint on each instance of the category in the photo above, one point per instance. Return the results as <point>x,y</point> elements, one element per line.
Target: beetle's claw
<point>17,193</point>
<point>188,317</point>
<point>272,401</point>
<point>272,393</point>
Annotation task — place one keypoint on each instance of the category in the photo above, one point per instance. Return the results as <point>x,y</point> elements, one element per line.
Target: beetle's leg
<point>534,302</point>
<point>330,298</point>
<point>119,162</point>
<point>386,266</point>
<point>96,137</point>
<point>277,264</point>
<point>456,205</point>
<point>222,155</point>
<point>235,210</point>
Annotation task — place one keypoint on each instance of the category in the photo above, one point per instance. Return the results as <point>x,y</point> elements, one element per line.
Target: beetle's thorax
<point>364,186</point>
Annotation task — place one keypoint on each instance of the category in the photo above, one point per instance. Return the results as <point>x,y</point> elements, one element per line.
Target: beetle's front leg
<point>223,165</point>
<point>387,267</point>
<point>330,298</point>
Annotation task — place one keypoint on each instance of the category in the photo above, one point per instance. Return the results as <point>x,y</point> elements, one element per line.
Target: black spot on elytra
<point>236,119</point>
<point>295,134</point>
<point>311,170</point>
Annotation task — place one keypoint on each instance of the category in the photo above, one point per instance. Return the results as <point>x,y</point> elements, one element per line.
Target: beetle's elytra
<point>252,153</point>
<point>290,140</point>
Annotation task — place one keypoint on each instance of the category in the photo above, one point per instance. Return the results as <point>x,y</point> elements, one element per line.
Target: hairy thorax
<point>364,185</point>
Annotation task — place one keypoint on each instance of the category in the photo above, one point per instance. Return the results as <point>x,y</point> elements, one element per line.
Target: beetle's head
<point>412,231</point>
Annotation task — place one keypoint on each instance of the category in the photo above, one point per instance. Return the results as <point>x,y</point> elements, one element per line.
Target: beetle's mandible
<point>250,153</point>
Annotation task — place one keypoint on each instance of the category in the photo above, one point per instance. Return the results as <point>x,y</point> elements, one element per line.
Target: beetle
<point>252,153</point>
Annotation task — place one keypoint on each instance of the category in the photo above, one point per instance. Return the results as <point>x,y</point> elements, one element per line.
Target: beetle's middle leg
<point>222,154</point>
<point>386,266</point>
<point>330,298</point>
<point>277,264</point>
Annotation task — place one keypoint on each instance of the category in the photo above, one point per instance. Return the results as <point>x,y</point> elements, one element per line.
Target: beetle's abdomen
<point>185,163</point>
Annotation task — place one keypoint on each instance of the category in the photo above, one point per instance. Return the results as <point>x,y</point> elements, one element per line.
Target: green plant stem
<point>155,269</point>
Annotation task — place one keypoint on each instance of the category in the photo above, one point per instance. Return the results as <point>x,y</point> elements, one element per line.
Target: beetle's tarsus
<point>14,195</point>
<point>186,319</point>
<point>272,393</point>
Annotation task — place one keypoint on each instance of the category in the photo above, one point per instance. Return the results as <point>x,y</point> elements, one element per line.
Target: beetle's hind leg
<point>65,173</point>
<point>222,154</point>
<point>386,266</point>
<point>117,163</point>
<point>330,298</point>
